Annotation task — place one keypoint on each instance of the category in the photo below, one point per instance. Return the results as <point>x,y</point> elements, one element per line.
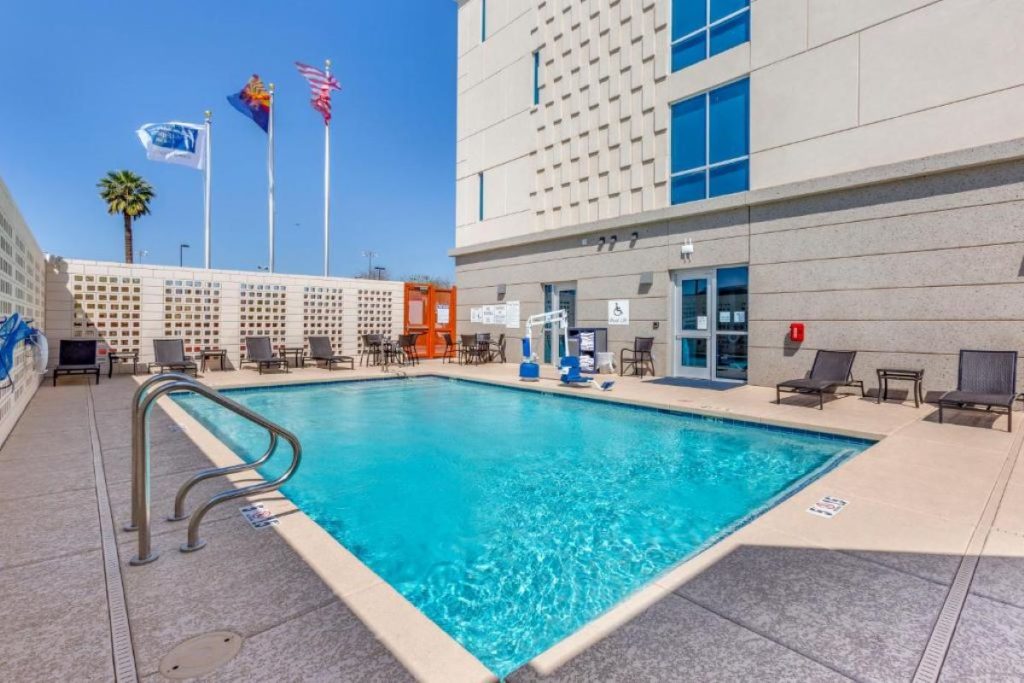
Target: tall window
<point>480,199</point>
<point>711,143</point>
<point>703,28</point>
<point>483,20</point>
<point>536,78</point>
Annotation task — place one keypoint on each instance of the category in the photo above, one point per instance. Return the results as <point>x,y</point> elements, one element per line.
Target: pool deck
<point>934,527</point>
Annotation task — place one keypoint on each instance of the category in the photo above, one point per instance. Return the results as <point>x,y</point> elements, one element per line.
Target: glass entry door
<point>711,324</point>
<point>558,295</point>
<point>693,324</point>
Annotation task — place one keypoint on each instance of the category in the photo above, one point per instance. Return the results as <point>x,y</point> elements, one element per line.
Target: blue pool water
<point>511,518</point>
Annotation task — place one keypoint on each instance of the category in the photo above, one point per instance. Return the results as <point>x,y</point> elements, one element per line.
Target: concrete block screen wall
<point>22,288</point>
<point>126,307</point>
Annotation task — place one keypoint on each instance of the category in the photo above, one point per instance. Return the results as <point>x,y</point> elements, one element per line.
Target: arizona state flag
<point>253,101</point>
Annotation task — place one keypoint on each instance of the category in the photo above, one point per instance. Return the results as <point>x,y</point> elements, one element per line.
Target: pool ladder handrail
<point>142,404</point>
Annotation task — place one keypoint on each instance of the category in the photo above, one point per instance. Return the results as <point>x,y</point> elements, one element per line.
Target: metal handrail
<point>140,393</point>
<point>141,464</point>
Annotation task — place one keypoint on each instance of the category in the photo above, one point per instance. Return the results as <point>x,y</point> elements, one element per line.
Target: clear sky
<point>78,78</point>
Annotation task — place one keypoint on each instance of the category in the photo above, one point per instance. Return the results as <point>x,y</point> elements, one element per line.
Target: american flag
<point>321,84</point>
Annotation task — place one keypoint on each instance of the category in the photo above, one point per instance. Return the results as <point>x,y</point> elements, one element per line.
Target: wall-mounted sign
<point>618,312</point>
<point>512,315</point>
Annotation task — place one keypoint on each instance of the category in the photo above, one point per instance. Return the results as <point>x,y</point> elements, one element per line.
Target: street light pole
<point>379,269</point>
<point>181,253</point>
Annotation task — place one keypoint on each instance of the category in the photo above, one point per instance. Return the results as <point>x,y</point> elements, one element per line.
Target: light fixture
<point>501,291</point>
<point>601,241</point>
<point>646,278</point>
<point>635,236</point>
<point>615,238</point>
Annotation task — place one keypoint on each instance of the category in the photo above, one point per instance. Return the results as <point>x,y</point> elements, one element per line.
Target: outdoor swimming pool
<point>511,518</point>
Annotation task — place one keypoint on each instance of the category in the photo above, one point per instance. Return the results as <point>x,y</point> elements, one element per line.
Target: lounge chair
<point>831,369</point>
<point>260,352</point>
<point>169,354</point>
<point>639,357</point>
<point>320,351</point>
<point>77,357</point>
<point>986,380</point>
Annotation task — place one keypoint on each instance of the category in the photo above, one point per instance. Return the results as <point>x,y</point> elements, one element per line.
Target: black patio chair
<point>373,348</point>
<point>831,369</point>
<point>77,357</point>
<point>497,348</point>
<point>169,356</point>
<point>985,380</point>
<point>260,352</point>
<point>469,349</point>
<point>407,345</point>
<point>320,351</point>
<point>451,349</point>
<point>639,357</point>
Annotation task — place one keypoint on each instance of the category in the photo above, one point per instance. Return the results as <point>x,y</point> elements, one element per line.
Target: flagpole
<point>327,185</point>
<point>206,192</point>
<point>270,175</point>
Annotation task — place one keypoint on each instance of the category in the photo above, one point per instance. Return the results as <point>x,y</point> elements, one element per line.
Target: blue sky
<point>77,79</point>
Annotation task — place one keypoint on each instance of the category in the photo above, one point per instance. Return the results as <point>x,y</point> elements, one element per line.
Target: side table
<point>907,375</point>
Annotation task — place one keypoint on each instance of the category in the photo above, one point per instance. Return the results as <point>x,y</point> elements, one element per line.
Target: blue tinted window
<point>723,8</point>
<point>480,199</point>
<point>702,28</point>
<point>730,33</point>
<point>688,16</point>
<point>536,78</point>
<point>688,135</point>
<point>734,177</point>
<point>689,51</point>
<point>711,144</point>
<point>688,188</point>
<point>729,119</point>
<point>483,20</point>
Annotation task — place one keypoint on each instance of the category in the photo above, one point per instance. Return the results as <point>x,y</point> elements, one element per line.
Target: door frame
<point>556,289</point>
<point>675,334</point>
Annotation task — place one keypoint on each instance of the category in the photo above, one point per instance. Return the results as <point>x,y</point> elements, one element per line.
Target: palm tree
<point>129,195</point>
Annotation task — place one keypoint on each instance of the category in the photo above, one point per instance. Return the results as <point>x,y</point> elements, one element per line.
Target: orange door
<point>429,313</point>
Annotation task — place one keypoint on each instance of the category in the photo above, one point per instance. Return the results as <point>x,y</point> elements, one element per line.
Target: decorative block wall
<point>598,137</point>
<point>22,290</point>
<point>127,307</point>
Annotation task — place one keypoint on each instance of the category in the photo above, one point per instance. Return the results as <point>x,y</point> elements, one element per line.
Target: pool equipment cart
<point>529,369</point>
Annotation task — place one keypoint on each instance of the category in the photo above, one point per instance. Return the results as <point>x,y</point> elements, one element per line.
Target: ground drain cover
<point>201,655</point>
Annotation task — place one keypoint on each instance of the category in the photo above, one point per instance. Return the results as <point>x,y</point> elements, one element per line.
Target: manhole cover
<point>200,655</point>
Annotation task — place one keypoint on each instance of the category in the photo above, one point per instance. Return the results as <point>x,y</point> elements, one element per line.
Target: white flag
<point>175,143</point>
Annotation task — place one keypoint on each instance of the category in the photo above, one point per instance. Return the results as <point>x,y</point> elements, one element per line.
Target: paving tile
<point>676,640</point>
<point>179,455</point>
<point>920,544</point>
<point>328,644</point>
<point>952,495</point>
<point>163,489</point>
<point>862,619</point>
<point>1010,516</point>
<point>25,478</point>
<point>245,580</point>
<point>45,448</point>
<point>988,643</point>
<point>55,625</point>
<point>1000,572</point>
<point>44,527</point>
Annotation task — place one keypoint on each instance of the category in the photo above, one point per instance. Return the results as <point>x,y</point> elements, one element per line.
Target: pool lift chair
<point>529,369</point>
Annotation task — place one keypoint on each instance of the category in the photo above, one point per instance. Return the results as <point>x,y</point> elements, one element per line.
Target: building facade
<point>725,168</point>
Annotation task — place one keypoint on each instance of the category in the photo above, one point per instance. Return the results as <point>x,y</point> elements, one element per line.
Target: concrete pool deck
<point>789,596</point>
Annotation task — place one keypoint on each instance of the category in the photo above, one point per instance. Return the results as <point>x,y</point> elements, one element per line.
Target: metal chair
<point>640,357</point>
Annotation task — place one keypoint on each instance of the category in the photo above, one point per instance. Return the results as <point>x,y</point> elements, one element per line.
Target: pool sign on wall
<point>618,312</point>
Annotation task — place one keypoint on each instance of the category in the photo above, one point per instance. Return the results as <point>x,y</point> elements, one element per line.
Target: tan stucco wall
<point>906,272</point>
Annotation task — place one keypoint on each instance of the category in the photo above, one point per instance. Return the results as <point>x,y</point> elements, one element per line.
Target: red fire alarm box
<point>796,332</point>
